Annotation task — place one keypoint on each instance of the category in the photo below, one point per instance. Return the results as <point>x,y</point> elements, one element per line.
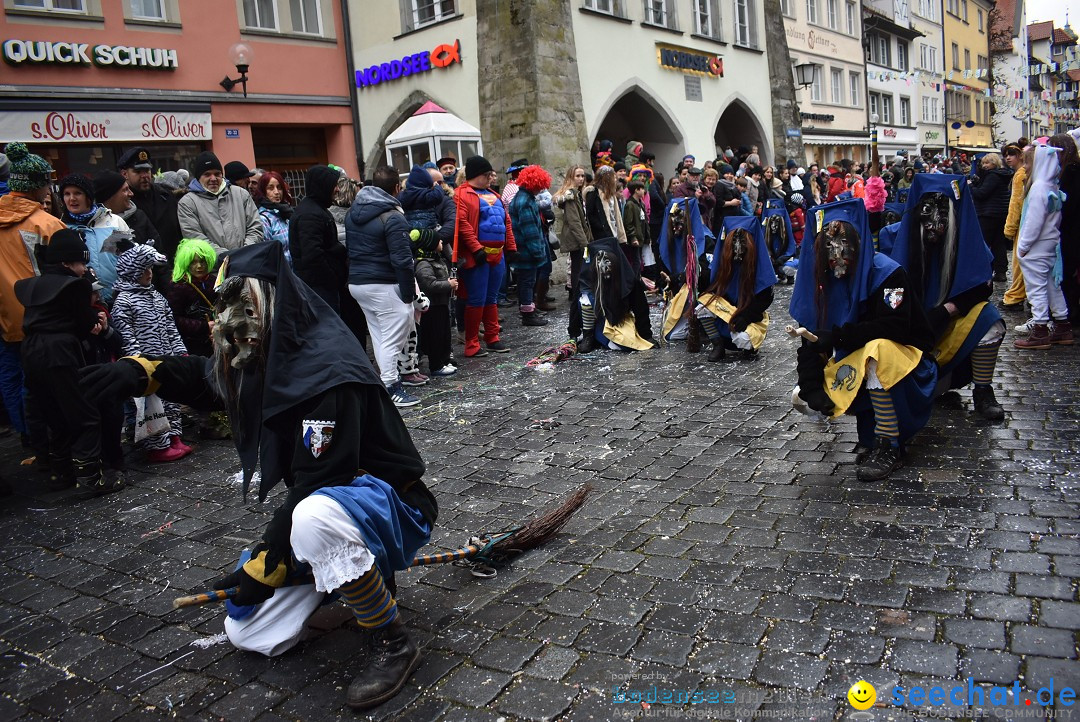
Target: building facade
<point>927,58</point>
<point>968,106</point>
<point>1009,63</point>
<point>546,80</point>
<point>84,80</point>
<point>891,89</point>
<point>828,34</point>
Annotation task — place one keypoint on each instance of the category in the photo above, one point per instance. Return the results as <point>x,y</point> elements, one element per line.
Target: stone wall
<point>785,109</point>
<point>530,92</point>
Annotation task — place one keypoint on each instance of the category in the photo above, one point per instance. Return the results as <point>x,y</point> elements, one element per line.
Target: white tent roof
<point>429,121</point>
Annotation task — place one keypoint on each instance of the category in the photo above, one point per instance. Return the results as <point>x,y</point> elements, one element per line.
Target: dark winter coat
<point>192,307</point>
<point>58,317</point>
<point>1070,219</point>
<point>532,245</point>
<point>159,204</point>
<point>991,192</point>
<point>657,203</point>
<point>142,227</point>
<point>427,205</point>
<point>377,236</point>
<point>318,259</point>
<point>432,275</point>
<point>636,222</point>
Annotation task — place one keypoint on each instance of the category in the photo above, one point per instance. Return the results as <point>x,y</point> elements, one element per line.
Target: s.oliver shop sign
<point>39,126</point>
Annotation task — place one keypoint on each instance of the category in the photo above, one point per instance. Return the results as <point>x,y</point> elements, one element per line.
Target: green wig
<point>188,250</point>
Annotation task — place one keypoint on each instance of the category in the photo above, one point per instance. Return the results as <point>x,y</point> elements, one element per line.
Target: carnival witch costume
<point>779,239</point>
<point>865,350</point>
<point>614,309</point>
<point>950,268</point>
<point>308,409</point>
<point>682,246</point>
<point>733,310</point>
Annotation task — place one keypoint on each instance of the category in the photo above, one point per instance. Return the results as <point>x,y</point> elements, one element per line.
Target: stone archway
<point>636,114</point>
<point>412,103</point>
<point>738,127</point>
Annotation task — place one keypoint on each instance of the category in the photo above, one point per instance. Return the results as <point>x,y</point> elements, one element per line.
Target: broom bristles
<point>542,528</point>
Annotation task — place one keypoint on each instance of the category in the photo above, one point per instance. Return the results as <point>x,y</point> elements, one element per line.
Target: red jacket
<point>837,185</point>
<point>798,224</point>
<point>466,243</point>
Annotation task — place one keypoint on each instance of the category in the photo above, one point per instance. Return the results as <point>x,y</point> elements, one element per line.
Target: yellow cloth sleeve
<point>149,367</point>
<point>1016,204</point>
<point>256,569</point>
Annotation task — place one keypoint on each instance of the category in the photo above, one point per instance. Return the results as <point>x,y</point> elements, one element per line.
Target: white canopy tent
<point>429,134</point>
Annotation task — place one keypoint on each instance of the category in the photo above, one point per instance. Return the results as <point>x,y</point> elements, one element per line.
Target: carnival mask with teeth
<point>774,232</point>
<point>840,248</point>
<point>738,245</point>
<point>934,217</point>
<point>241,320</point>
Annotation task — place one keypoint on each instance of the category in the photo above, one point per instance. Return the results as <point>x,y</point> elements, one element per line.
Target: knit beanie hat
<point>478,165</point>
<point>65,246</point>
<point>171,180</point>
<point>81,182</point>
<point>726,168</point>
<point>28,172</point>
<point>203,162</point>
<point>107,183</point>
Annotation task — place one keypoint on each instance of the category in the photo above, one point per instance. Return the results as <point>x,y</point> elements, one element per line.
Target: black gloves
<point>827,341</point>
<point>738,323</point>
<point>512,256</point>
<point>254,582</point>
<point>811,370</point>
<point>113,381</point>
<point>480,257</point>
<point>248,589</point>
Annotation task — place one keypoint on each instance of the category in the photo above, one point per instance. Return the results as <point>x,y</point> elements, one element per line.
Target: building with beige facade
<point>968,105</point>
<point>828,33</point>
<point>545,80</point>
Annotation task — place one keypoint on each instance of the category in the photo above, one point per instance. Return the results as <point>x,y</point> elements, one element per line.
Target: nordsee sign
<point>414,64</point>
<point>41,52</point>
<point>689,61</point>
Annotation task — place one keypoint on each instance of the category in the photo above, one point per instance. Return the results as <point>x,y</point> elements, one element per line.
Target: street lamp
<point>240,55</point>
<point>805,74</point>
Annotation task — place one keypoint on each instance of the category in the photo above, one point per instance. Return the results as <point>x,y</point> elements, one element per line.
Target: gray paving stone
<point>924,658</point>
<point>1042,641</point>
<point>473,687</point>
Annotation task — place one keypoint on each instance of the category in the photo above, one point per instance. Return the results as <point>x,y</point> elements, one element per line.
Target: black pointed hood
<point>310,351</point>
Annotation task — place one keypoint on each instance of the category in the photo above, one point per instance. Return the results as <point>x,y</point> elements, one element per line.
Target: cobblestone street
<point>727,546</point>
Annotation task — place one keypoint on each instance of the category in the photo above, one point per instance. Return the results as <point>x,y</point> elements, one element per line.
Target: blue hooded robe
<point>848,301</point>
<point>971,267</point>
<point>781,250</point>
<point>764,276</point>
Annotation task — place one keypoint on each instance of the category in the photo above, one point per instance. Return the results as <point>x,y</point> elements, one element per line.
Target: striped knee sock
<point>588,318</point>
<point>885,423</point>
<point>709,324</point>
<point>983,361</point>
<point>369,600</point>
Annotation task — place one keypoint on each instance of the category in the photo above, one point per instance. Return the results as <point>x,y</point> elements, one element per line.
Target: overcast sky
<point>1039,10</point>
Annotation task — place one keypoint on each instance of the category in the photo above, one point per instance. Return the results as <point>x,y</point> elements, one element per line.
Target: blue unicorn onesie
<point>779,239</point>
<point>869,357</point>
<point>733,309</point>
<point>940,244</point>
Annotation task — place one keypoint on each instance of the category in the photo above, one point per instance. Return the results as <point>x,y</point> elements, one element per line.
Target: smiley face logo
<point>862,695</point>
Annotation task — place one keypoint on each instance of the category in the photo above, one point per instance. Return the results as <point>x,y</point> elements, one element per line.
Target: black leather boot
<point>718,352</point>
<point>882,460</point>
<point>91,482</point>
<point>588,342</point>
<point>986,404</point>
<point>394,657</point>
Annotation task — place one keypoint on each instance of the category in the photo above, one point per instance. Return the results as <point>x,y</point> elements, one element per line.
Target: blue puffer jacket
<point>427,205</point>
<point>379,250</point>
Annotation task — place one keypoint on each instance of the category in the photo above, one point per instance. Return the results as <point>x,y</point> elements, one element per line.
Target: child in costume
<point>433,278</point>
<point>145,321</point>
<point>779,238</point>
<point>191,294</point>
<point>531,259</point>
<point>307,408</point>
<point>869,357</point>
<point>58,318</point>
<point>1038,245</point>
<point>733,309</point>
<point>950,270</point>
